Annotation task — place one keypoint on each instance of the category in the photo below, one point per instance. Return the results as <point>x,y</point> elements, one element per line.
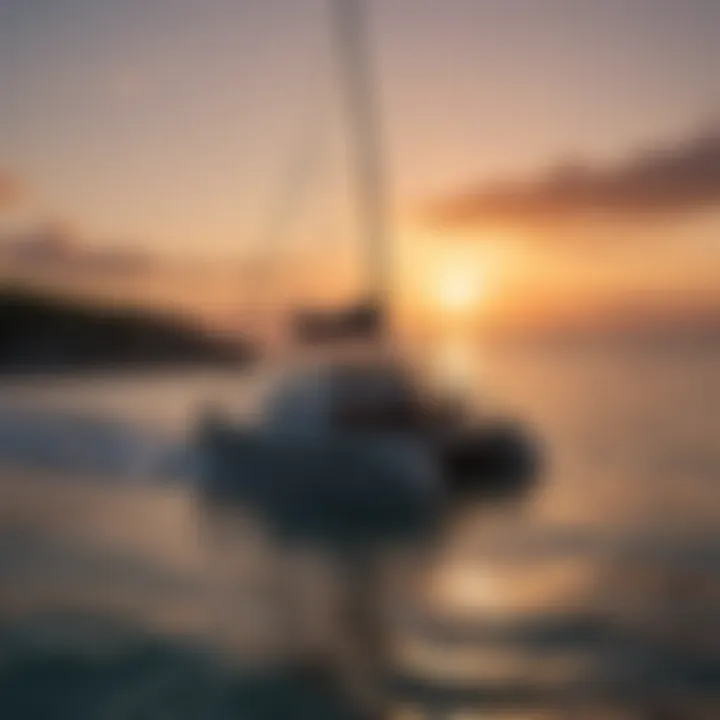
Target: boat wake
<point>86,444</point>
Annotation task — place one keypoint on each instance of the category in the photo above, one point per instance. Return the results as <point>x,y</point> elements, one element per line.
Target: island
<point>42,332</point>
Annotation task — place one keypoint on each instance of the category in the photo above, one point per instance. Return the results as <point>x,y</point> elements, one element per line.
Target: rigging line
<point>352,49</point>
<point>295,182</point>
<point>303,170</point>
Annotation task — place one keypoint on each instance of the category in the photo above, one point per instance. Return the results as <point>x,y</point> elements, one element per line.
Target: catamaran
<point>358,446</point>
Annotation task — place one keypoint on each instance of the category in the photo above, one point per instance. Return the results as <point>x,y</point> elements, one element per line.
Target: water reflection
<point>457,365</point>
<point>598,599</point>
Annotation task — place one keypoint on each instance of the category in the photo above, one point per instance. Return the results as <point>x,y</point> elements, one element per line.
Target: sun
<point>459,287</point>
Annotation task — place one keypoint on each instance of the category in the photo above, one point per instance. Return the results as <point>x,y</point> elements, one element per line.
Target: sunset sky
<point>566,150</point>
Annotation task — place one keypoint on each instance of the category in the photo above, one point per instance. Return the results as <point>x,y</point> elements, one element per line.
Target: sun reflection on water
<point>456,365</point>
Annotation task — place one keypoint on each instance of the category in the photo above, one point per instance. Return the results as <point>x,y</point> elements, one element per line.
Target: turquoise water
<point>598,594</point>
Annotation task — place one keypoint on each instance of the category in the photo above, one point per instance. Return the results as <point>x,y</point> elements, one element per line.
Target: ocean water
<point>597,596</point>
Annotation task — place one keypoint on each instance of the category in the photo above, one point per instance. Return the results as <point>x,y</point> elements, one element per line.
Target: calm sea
<point>598,596</point>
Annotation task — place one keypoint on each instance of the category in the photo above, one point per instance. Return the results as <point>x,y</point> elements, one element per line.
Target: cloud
<point>57,248</point>
<point>666,181</point>
<point>12,190</point>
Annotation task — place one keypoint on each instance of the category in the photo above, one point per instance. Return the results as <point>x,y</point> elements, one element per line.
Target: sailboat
<point>357,447</point>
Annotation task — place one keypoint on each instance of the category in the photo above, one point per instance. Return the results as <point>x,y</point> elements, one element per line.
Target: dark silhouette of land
<point>46,333</point>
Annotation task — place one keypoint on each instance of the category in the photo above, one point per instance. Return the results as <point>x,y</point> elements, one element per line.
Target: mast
<point>352,47</point>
